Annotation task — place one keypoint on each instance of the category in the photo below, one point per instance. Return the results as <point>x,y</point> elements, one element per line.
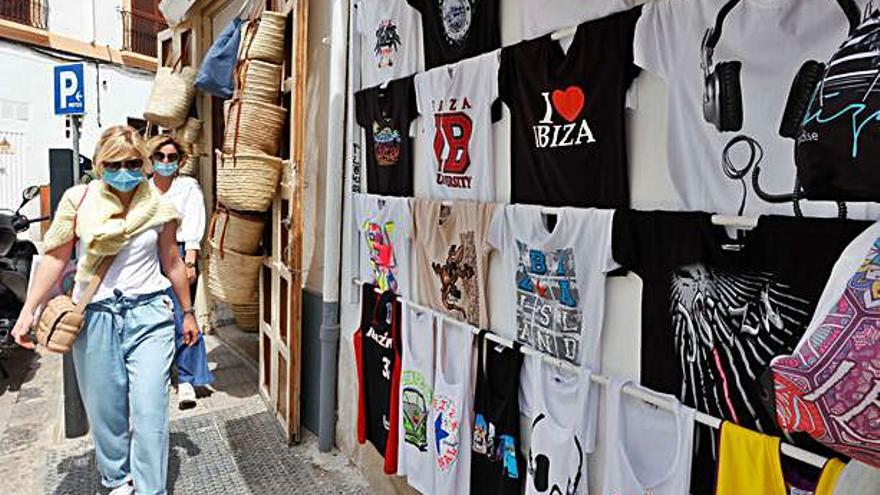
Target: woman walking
<point>185,193</point>
<point>123,354</point>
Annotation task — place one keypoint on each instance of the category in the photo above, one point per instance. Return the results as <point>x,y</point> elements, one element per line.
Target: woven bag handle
<point>178,65</point>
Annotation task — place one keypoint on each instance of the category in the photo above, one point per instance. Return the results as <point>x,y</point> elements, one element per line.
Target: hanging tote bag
<point>172,95</point>
<point>216,73</point>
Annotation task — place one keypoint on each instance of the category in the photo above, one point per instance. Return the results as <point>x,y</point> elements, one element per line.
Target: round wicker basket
<point>259,81</point>
<point>264,39</point>
<point>171,96</point>
<point>252,127</point>
<point>190,131</point>
<point>248,182</point>
<point>239,232</point>
<point>189,165</point>
<point>247,316</point>
<point>233,277</point>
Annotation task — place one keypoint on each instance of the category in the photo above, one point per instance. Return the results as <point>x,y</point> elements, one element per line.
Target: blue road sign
<point>69,85</point>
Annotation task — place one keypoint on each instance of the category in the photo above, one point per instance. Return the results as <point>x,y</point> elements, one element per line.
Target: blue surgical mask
<point>165,169</point>
<point>123,180</point>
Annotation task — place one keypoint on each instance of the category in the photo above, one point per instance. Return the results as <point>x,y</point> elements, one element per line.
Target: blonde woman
<point>186,194</point>
<point>123,355</point>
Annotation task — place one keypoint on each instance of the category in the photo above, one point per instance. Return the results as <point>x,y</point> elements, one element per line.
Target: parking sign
<point>69,95</point>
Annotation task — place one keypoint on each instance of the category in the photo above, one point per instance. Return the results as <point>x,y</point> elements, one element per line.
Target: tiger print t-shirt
<point>452,257</point>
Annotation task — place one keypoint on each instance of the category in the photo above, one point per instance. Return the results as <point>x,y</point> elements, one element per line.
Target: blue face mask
<point>123,180</point>
<point>165,169</point>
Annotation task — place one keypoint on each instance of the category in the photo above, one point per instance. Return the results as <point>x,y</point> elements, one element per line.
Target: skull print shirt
<point>458,29</point>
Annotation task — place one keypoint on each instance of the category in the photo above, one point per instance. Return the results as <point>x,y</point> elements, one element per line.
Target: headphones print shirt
<point>741,81</point>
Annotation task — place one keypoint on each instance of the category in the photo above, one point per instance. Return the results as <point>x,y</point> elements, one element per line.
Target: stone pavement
<point>228,444</point>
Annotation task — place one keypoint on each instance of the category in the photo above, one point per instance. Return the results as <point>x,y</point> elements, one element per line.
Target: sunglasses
<point>161,157</point>
<point>127,164</point>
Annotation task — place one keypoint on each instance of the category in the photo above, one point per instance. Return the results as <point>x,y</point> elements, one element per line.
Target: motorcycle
<point>16,258</point>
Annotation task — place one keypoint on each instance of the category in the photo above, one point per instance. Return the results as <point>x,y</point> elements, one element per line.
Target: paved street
<point>228,444</point>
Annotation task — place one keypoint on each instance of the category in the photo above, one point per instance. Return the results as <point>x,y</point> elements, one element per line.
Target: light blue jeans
<point>123,366</point>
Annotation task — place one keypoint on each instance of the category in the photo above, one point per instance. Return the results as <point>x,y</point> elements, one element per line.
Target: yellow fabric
<point>100,223</point>
<point>748,463</point>
<point>828,480</point>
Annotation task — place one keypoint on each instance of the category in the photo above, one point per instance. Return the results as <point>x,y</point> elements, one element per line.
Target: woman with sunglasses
<point>124,352</point>
<point>186,194</point>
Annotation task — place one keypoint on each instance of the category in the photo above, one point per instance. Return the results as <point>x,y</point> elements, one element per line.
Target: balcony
<point>139,32</point>
<point>33,13</point>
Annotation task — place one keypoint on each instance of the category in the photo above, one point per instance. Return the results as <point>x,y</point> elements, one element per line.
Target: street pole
<point>74,123</point>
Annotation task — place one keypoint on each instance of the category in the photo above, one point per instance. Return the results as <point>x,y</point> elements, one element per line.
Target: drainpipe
<point>333,197</point>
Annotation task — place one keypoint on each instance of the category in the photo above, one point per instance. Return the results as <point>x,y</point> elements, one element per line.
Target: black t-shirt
<point>379,348</point>
<point>458,29</point>
<point>568,134</point>
<point>496,462</point>
<point>386,115</point>
<point>713,316</point>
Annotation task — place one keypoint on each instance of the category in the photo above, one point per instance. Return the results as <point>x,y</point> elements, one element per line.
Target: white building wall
<point>75,19</point>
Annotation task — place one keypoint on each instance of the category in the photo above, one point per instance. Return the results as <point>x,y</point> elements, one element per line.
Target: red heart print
<point>569,103</point>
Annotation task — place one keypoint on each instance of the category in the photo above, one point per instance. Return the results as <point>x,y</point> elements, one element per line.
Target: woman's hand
<point>21,329</point>
<point>190,329</point>
<point>191,276</point>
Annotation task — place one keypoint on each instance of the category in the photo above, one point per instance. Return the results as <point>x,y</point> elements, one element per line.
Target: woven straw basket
<point>248,182</point>
<point>247,316</point>
<point>253,127</point>
<point>189,165</point>
<point>259,81</point>
<point>171,97</point>
<point>236,231</point>
<point>233,278</point>
<point>190,131</point>
<point>264,40</point>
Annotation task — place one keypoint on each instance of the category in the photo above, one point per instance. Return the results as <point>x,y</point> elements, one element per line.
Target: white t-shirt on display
<point>455,102</point>
<point>540,17</point>
<point>383,225</point>
<point>649,449</point>
<point>389,41</point>
<point>135,271</point>
<point>772,39</point>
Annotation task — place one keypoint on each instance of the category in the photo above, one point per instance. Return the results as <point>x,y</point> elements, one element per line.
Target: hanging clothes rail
<point>700,417</point>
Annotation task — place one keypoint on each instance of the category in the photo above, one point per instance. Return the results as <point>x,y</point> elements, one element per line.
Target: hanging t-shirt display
<point>377,351</point>
<point>386,114</point>
<point>452,258</point>
<point>716,171</point>
<point>649,448</point>
<point>562,430</point>
<point>451,409</point>
<point>383,228</point>
<point>715,311</point>
<point>455,102</point>
<point>416,430</point>
<point>454,30</point>
<point>389,46</point>
<point>568,133</point>
<point>540,17</point>
<point>497,466</point>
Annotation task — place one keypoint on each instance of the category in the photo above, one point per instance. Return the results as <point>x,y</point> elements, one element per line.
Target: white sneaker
<point>126,489</point>
<point>186,396</point>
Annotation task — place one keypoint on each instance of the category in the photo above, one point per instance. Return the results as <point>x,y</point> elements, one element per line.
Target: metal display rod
<point>700,417</point>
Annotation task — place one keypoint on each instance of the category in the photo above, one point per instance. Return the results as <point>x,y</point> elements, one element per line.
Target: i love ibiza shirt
<point>568,135</point>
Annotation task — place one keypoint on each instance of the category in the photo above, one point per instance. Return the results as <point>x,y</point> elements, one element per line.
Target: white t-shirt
<point>562,430</point>
<point>389,41</point>
<point>649,449</point>
<point>540,17</point>
<point>455,102</point>
<point>135,271</point>
<point>186,194</point>
<point>772,39</point>
<point>451,408</point>
<point>383,225</point>
<point>858,478</point>
<point>416,448</point>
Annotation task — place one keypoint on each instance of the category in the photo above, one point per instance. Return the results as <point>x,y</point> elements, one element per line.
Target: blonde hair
<point>157,142</point>
<point>119,143</point>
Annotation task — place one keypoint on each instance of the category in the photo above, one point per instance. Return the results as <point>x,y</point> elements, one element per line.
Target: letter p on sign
<point>69,96</point>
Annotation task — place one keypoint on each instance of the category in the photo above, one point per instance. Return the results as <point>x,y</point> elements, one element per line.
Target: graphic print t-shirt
<point>452,258</point>
<point>386,115</point>
<point>456,105</point>
<point>382,249</point>
<point>389,46</point>
<point>458,29</point>
<point>713,318</point>
<point>667,43</point>
<point>568,135</point>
